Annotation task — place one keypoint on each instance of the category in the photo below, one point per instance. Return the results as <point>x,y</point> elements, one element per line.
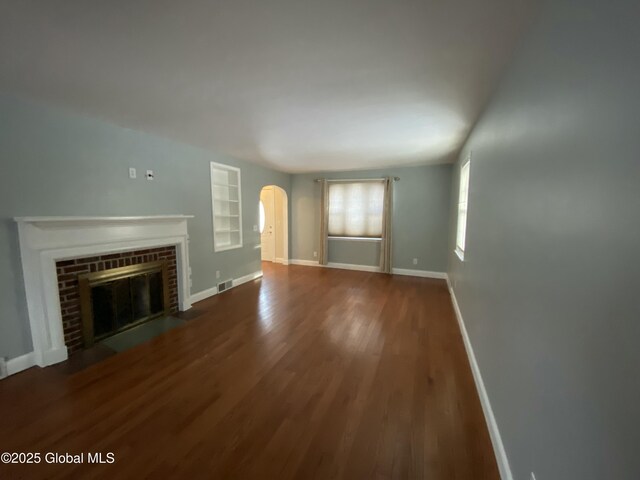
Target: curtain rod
<point>354,179</point>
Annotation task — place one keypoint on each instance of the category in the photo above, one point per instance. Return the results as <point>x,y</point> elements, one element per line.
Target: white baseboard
<point>210,292</point>
<point>306,263</point>
<point>350,266</point>
<point>283,261</point>
<point>247,278</point>
<point>419,273</point>
<point>494,432</point>
<point>18,364</point>
<point>371,268</point>
<point>342,266</point>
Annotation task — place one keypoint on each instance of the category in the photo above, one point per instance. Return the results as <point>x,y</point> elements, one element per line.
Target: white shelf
<point>225,195</point>
<point>226,246</point>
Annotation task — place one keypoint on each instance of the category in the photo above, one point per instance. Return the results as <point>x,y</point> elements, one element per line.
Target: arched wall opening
<point>274,224</point>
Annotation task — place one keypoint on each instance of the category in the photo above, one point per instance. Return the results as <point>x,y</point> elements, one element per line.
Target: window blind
<point>355,209</point>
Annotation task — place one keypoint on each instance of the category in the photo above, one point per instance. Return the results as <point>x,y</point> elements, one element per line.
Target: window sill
<point>357,239</point>
<point>460,254</point>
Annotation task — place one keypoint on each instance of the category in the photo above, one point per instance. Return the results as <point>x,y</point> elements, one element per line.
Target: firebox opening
<point>120,298</point>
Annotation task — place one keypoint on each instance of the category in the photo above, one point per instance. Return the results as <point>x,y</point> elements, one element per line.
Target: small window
<point>463,198</point>
<point>355,209</point>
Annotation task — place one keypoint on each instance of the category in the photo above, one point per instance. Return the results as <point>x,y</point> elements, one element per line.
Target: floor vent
<point>3,367</point>
<point>225,286</point>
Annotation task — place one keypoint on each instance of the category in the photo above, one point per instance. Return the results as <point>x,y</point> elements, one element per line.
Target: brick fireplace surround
<point>68,271</point>
<point>46,243</point>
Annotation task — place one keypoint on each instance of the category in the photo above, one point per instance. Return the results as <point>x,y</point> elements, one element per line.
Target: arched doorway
<point>274,225</point>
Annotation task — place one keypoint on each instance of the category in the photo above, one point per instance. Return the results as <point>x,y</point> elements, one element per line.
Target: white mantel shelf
<point>100,220</point>
<point>46,240</point>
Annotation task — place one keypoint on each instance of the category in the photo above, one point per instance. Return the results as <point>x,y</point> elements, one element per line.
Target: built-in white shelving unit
<point>226,197</point>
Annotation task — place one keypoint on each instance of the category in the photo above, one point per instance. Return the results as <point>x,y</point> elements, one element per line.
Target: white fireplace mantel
<point>46,240</point>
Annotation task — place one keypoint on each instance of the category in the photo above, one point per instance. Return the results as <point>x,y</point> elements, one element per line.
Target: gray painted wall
<point>420,222</point>
<point>56,163</point>
<point>549,287</point>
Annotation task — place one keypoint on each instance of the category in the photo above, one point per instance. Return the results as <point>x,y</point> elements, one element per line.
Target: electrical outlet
<point>133,173</point>
<point>315,254</point>
<point>150,175</point>
<point>217,274</point>
<point>255,228</point>
<point>415,261</point>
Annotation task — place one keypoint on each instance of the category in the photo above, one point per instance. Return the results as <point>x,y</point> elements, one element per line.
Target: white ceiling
<point>298,85</point>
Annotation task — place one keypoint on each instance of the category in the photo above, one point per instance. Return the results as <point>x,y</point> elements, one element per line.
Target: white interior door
<point>267,236</point>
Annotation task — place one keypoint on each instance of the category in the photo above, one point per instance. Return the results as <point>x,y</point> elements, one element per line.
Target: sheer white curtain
<point>356,209</point>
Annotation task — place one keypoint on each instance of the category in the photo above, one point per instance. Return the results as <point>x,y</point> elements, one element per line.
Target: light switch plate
<point>150,175</point>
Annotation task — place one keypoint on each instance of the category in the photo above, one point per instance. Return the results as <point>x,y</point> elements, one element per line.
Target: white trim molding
<point>494,432</point>
<point>204,294</point>
<point>18,364</point>
<point>351,266</point>
<point>355,239</point>
<point>210,292</point>
<point>305,263</point>
<point>419,273</point>
<point>46,240</point>
<point>247,278</point>
<point>372,268</point>
<point>341,266</point>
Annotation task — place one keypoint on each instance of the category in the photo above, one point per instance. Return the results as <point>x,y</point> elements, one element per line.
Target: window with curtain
<point>463,198</point>
<point>355,209</point>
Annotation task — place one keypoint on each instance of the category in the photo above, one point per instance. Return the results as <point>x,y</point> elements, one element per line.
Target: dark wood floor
<point>308,373</point>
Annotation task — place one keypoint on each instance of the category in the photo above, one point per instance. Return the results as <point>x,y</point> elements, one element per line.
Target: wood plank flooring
<point>308,373</point>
